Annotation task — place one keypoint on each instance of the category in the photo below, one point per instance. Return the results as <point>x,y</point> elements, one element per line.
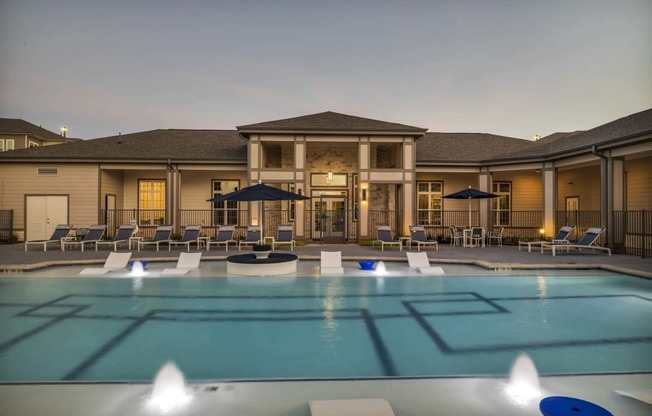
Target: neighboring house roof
<point>18,126</point>
<point>558,136</point>
<point>465,147</point>
<point>214,145</point>
<point>637,124</point>
<point>329,121</point>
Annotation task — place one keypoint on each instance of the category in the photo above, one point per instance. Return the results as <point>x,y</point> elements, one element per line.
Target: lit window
<point>429,203</point>
<point>503,204</point>
<point>151,201</point>
<point>225,213</point>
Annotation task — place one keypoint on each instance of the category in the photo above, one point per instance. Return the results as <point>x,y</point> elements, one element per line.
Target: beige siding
<point>197,186</point>
<point>453,182</point>
<point>112,183</point>
<point>639,184</point>
<point>527,189</point>
<point>583,183</point>
<point>79,182</point>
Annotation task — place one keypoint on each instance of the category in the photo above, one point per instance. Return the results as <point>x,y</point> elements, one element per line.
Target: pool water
<point>110,329</point>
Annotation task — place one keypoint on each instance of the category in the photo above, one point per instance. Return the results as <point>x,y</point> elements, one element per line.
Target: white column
<point>484,183</point>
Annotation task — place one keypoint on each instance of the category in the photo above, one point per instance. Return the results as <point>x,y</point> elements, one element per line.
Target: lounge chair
<point>161,235</point>
<point>331,262</point>
<point>224,236</point>
<point>418,235</point>
<point>115,261</point>
<point>420,262</point>
<point>125,232</point>
<point>95,234</point>
<point>284,236</point>
<point>253,237</point>
<point>190,236</point>
<point>384,236</point>
<point>497,236</point>
<point>457,237</point>
<point>560,238</point>
<point>351,407</point>
<point>588,241</point>
<point>186,263</point>
<point>60,232</point>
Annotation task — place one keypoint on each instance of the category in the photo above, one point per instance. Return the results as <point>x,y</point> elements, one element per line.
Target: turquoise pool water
<point>111,329</point>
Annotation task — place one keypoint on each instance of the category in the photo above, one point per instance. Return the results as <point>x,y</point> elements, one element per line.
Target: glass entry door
<point>329,216</point>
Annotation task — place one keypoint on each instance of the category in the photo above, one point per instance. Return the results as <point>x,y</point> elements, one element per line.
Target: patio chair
<point>95,234</point>
<point>477,236</point>
<point>190,236</point>
<point>284,236</point>
<point>588,241</point>
<point>115,261</point>
<point>330,262</point>
<point>418,235</point>
<point>224,236</point>
<point>186,263</point>
<point>457,237</point>
<point>161,235</point>
<point>420,262</point>
<point>384,236</point>
<point>125,232</point>
<point>351,407</point>
<point>254,236</point>
<point>497,236</point>
<point>60,232</point>
<point>560,238</point>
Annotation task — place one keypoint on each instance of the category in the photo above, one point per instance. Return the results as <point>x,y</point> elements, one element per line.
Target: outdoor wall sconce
<point>542,231</point>
<point>330,176</point>
<point>364,194</point>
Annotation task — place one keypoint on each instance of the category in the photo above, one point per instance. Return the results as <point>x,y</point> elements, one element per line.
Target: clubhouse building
<point>358,173</point>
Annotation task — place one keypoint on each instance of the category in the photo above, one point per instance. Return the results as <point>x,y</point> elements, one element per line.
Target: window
<point>226,212</point>
<point>2,145</point>
<point>429,203</point>
<point>32,144</point>
<point>9,144</point>
<point>151,201</point>
<point>503,204</point>
<point>386,155</point>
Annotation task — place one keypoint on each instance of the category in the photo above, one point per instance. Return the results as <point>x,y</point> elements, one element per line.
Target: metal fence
<point>582,221</point>
<point>632,233</point>
<point>6,224</point>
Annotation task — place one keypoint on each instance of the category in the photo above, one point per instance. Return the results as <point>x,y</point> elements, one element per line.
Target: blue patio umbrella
<point>470,194</point>
<point>259,192</point>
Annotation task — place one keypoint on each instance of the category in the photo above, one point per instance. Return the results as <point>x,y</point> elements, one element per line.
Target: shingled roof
<point>18,126</point>
<point>465,147</point>
<point>214,145</point>
<point>637,124</point>
<point>330,121</point>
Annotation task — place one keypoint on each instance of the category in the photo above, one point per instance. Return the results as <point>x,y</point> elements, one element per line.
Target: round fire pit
<point>250,265</point>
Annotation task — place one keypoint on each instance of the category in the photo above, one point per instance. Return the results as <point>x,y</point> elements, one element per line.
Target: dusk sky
<point>514,68</point>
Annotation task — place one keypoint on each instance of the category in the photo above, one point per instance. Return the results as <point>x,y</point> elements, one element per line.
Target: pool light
<point>169,392</point>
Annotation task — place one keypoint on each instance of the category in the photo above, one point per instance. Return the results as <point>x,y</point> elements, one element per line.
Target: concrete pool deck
<point>14,258</point>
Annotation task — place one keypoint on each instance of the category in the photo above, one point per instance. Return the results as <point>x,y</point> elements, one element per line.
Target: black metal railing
<point>147,220</point>
<point>632,232</point>
<point>519,225</point>
<point>582,221</point>
<point>392,218</point>
<point>6,225</point>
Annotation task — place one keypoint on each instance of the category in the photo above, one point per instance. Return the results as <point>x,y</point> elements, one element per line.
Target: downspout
<point>604,192</point>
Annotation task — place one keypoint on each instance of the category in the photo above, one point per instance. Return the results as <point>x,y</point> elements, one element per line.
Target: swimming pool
<point>108,329</point>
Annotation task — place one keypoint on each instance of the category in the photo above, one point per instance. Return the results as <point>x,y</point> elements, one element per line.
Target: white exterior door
<point>43,214</point>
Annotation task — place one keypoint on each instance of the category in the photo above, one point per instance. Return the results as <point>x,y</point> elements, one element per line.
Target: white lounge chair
<point>588,241</point>
<point>125,232</point>
<point>418,236</point>
<point>284,236</point>
<point>254,236</point>
<point>351,407</point>
<point>187,262</point>
<point>331,262</point>
<point>115,261</point>
<point>224,236</point>
<point>560,238</point>
<point>95,234</point>
<point>190,236</point>
<point>384,236</point>
<point>161,235</point>
<point>60,232</point>
<point>420,262</point>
